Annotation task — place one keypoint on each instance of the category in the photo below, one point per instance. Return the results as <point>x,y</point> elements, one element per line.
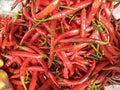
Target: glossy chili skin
<point>61,45</point>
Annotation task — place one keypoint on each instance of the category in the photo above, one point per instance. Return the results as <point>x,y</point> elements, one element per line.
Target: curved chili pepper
<point>109,27</point>
<point>108,46</point>
<point>83,79</point>
<point>107,54</point>
<point>27,34</point>
<point>27,15</point>
<point>67,34</point>
<point>34,37</point>
<point>68,63</point>
<point>84,85</point>
<point>100,66</point>
<point>47,10</point>
<point>102,76</point>
<point>15,4</point>
<point>66,12</point>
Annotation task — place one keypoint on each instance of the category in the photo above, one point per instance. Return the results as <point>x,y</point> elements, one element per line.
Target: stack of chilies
<point>61,45</point>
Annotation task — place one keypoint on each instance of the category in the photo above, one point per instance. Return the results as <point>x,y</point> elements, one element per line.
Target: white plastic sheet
<point>116,13</point>
<point>5,8</point>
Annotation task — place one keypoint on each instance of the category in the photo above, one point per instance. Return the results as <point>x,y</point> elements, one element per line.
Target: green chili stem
<point>23,82</point>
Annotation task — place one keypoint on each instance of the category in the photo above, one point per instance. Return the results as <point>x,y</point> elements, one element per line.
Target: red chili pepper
<point>83,23</point>
<point>53,79</point>
<point>23,72</point>
<point>94,9</point>
<point>33,81</point>
<point>67,34</point>
<point>112,68</point>
<point>102,76</point>
<point>75,54</point>
<point>67,2</point>
<point>27,15</point>
<point>107,54</point>
<point>1,38</point>
<point>15,76</point>
<point>32,9</point>
<point>41,31</point>
<point>35,68</point>
<point>109,47</point>
<point>5,41</point>
<point>37,3</point>
<point>25,54</point>
<point>27,34</point>
<point>46,85</point>
<point>47,10</point>
<point>25,48</point>
<point>15,4</point>
<point>109,27</point>
<point>77,62</point>
<point>34,37</point>
<point>67,62</point>
<point>80,68</point>
<point>106,9</point>
<point>44,3</point>
<point>83,79</point>
<point>19,87</point>
<point>16,82</point>
<point>100,66</point>
<point>66,12</point>
<point>84,85</point>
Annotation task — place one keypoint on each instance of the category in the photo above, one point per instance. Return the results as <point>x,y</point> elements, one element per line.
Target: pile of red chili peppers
<point>61,45</point>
